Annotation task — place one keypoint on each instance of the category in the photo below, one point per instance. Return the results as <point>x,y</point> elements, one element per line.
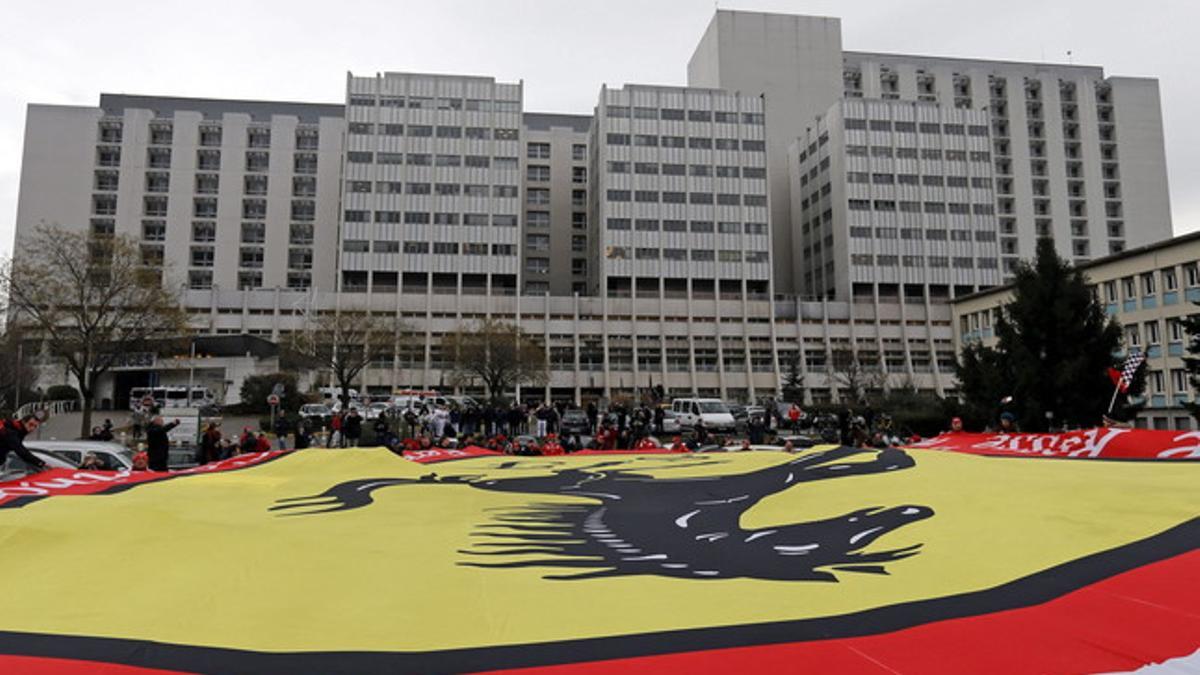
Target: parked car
<point>376,409</point>
<point>316,414</point>
<point>712,411</point>
<point>574,421</point>
<point>671,423</point>
<point>112,456</point>
<point>15,468</point>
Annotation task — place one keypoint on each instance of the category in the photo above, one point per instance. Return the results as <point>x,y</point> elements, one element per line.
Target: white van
<point>712,411</point>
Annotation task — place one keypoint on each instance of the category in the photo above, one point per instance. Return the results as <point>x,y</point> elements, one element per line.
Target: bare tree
<point>854,376</point>
<point>497,353</point>
<point>345,342</point>
<point>91,299</point>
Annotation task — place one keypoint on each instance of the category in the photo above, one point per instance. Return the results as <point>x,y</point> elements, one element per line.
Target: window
<point>537,172</point>
<point>579,152</point>
<point>618,139</point>
<point>538,151</point>
<point>537,196</point>
<point>254,233</point>
<point>251,256</point>
<point>202,256</point>
<point>204,231</point>
<point>300,234</point>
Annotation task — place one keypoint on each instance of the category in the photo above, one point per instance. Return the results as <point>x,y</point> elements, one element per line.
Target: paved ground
<point>66,427</point>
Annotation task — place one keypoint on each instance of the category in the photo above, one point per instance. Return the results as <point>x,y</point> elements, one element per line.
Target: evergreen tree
<point>793,381</point>
<point>1192,361</point>
<point>1054,348</point>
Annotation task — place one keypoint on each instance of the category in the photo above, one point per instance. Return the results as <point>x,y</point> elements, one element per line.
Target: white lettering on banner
<point>23,490</point>
<point>1090,443</point>
<point>1183,451</point>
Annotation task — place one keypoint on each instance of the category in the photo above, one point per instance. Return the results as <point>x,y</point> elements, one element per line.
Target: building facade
<point>555,222</point>
<point>1076,154</point>
<point>794,203</point>
<point>1147,290</point>
<point>895,199</point>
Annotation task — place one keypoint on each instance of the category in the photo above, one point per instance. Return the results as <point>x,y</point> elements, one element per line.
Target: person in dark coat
<point>352,428</point>
<point>158,443</point>
<point>210,444</point>
<point>12,439</point>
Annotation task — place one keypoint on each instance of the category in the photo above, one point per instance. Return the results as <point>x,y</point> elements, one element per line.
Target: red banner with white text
<point>1088,443</point>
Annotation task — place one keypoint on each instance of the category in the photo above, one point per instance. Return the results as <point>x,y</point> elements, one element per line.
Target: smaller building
<point>1148,290</point>
<point>220,363</point>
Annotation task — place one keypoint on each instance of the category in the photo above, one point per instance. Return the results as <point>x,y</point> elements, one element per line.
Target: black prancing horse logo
<point>632,523</point>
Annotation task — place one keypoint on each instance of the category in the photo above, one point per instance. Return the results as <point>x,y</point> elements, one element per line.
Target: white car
<point>671,423</point>
<point>112,456</point>
<point>376,409</point>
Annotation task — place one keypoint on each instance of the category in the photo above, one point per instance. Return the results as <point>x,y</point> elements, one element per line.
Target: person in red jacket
<point>263,443</point>
<point>552,447</point>
<point>677,445</point>
<point>647,443</point>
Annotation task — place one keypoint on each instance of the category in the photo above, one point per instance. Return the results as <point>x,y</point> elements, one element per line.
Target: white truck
<point>711,411</point>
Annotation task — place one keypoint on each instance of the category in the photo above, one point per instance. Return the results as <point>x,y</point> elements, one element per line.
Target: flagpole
<point>1113,402</point>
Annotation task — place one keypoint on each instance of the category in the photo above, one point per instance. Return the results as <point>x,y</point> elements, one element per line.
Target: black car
<point>574,422</point>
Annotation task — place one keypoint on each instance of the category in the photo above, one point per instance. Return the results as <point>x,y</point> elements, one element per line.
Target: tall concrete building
<point>235,194</point>
<point>1077,155</point>
<point>894,200</point>
<point>680,193</point>
<point>432,185</point>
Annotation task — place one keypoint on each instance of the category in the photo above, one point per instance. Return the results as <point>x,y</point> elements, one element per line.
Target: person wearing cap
<point>1008,423</point>
<point>141,461</point>
<point>677,445</point>
<point>956,425</point>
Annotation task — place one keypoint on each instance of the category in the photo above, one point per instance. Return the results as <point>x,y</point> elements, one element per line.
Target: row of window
<point>693,142</point>
<point>211,135</point>
<point>209,160</point>
<point>431,131</point>
<point>536,150</point>
<point>207,183</point>
<point>930,180</point>
<point>922,261</point>
<point>426,218</point>
<point>248,280</point>
<point>680,254</point>
<point>1149,282</point>
<point>445,189</point>
<point>437,247</point>
<point>932,234</point>
<point>679,114</point>
<point>667,169</point>
<point>672,197</point>
<point>652,225</point>
<point>427,159</point>
<point>435,103</point>
<point>887,151</point>
<point>891,205</point>
<point>923,127</point>
<point>204,207</point>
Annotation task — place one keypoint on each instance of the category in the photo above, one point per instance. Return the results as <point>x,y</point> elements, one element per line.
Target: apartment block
<point>679,193</point>
<point>236,194</point>
<point>1077,155</point>
<point>431,199</point>
<point>894,201</point>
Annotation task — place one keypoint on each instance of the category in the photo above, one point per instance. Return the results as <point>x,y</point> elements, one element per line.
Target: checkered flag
<point>1122,379</point>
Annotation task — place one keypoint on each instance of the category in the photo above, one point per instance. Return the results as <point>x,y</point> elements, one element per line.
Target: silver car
<point>15,468</point>
<point>112,456</point>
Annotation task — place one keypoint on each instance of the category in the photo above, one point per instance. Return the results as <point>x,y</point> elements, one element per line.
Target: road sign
<point>277,390</point>
<point>273,400</point>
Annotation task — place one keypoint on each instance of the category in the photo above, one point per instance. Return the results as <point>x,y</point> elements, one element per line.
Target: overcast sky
<point>69,52</point>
